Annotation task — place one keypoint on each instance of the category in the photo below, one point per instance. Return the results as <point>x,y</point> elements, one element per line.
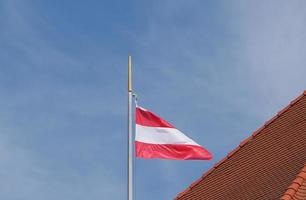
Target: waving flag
<point>156,138</point>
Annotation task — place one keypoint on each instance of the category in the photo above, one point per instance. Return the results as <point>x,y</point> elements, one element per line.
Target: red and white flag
<point>156,138</point>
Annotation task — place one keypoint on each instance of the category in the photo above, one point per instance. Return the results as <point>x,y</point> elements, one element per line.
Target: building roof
<point>297,190</point>
<point>263,165</point>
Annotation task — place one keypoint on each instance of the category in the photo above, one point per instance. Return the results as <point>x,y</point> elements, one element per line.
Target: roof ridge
<point>243,143</point>
<point>295,185</point>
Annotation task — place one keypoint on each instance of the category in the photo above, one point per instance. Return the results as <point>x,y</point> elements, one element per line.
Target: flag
<point>157,138</point>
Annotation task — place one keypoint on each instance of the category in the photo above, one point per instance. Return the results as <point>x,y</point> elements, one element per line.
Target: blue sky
<point>217,70</point>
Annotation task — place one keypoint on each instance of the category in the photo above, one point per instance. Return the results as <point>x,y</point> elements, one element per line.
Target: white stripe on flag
<point>161,135</point>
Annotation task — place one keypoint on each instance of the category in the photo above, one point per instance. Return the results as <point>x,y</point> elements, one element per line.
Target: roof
<point>263,165</point>
<point>297,190</point>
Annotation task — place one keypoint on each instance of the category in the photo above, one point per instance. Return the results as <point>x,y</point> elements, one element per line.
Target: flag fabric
<point>157,138</point>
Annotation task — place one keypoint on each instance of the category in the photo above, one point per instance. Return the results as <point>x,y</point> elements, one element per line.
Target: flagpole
<point>130,139</point>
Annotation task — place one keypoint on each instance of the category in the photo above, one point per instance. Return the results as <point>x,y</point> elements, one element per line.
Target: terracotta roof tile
<point>230,154</point>
<point>297,189</point>
<point>263,165</point>
<point>244,142</point>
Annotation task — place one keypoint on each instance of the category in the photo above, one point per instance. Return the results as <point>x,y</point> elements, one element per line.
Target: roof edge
<point>243,143</point>
<point>295,185</point>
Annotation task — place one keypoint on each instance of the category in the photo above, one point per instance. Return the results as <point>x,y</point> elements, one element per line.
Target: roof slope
<point>297,190</point>
<point>263,165</point>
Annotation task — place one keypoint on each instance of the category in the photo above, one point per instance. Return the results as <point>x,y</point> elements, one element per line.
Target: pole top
<point>130,74</point>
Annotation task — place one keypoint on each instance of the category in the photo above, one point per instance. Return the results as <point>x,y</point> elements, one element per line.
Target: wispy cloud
<point>272,49</point>
<point>214,69</point>
<point>44,92</point>
<point>221,70</point>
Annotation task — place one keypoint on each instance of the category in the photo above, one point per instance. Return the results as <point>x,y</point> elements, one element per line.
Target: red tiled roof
<point>263,165</point>
<point>297,190</point>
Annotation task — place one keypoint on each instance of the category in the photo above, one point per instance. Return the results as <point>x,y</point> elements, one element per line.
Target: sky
<point>217,70</point>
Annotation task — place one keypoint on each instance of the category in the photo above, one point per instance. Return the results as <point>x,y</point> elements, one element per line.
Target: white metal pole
<point>130,138</point>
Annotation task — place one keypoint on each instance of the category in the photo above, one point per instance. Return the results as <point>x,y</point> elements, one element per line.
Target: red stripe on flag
<point>147,118</point>
<point>171,151</point>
